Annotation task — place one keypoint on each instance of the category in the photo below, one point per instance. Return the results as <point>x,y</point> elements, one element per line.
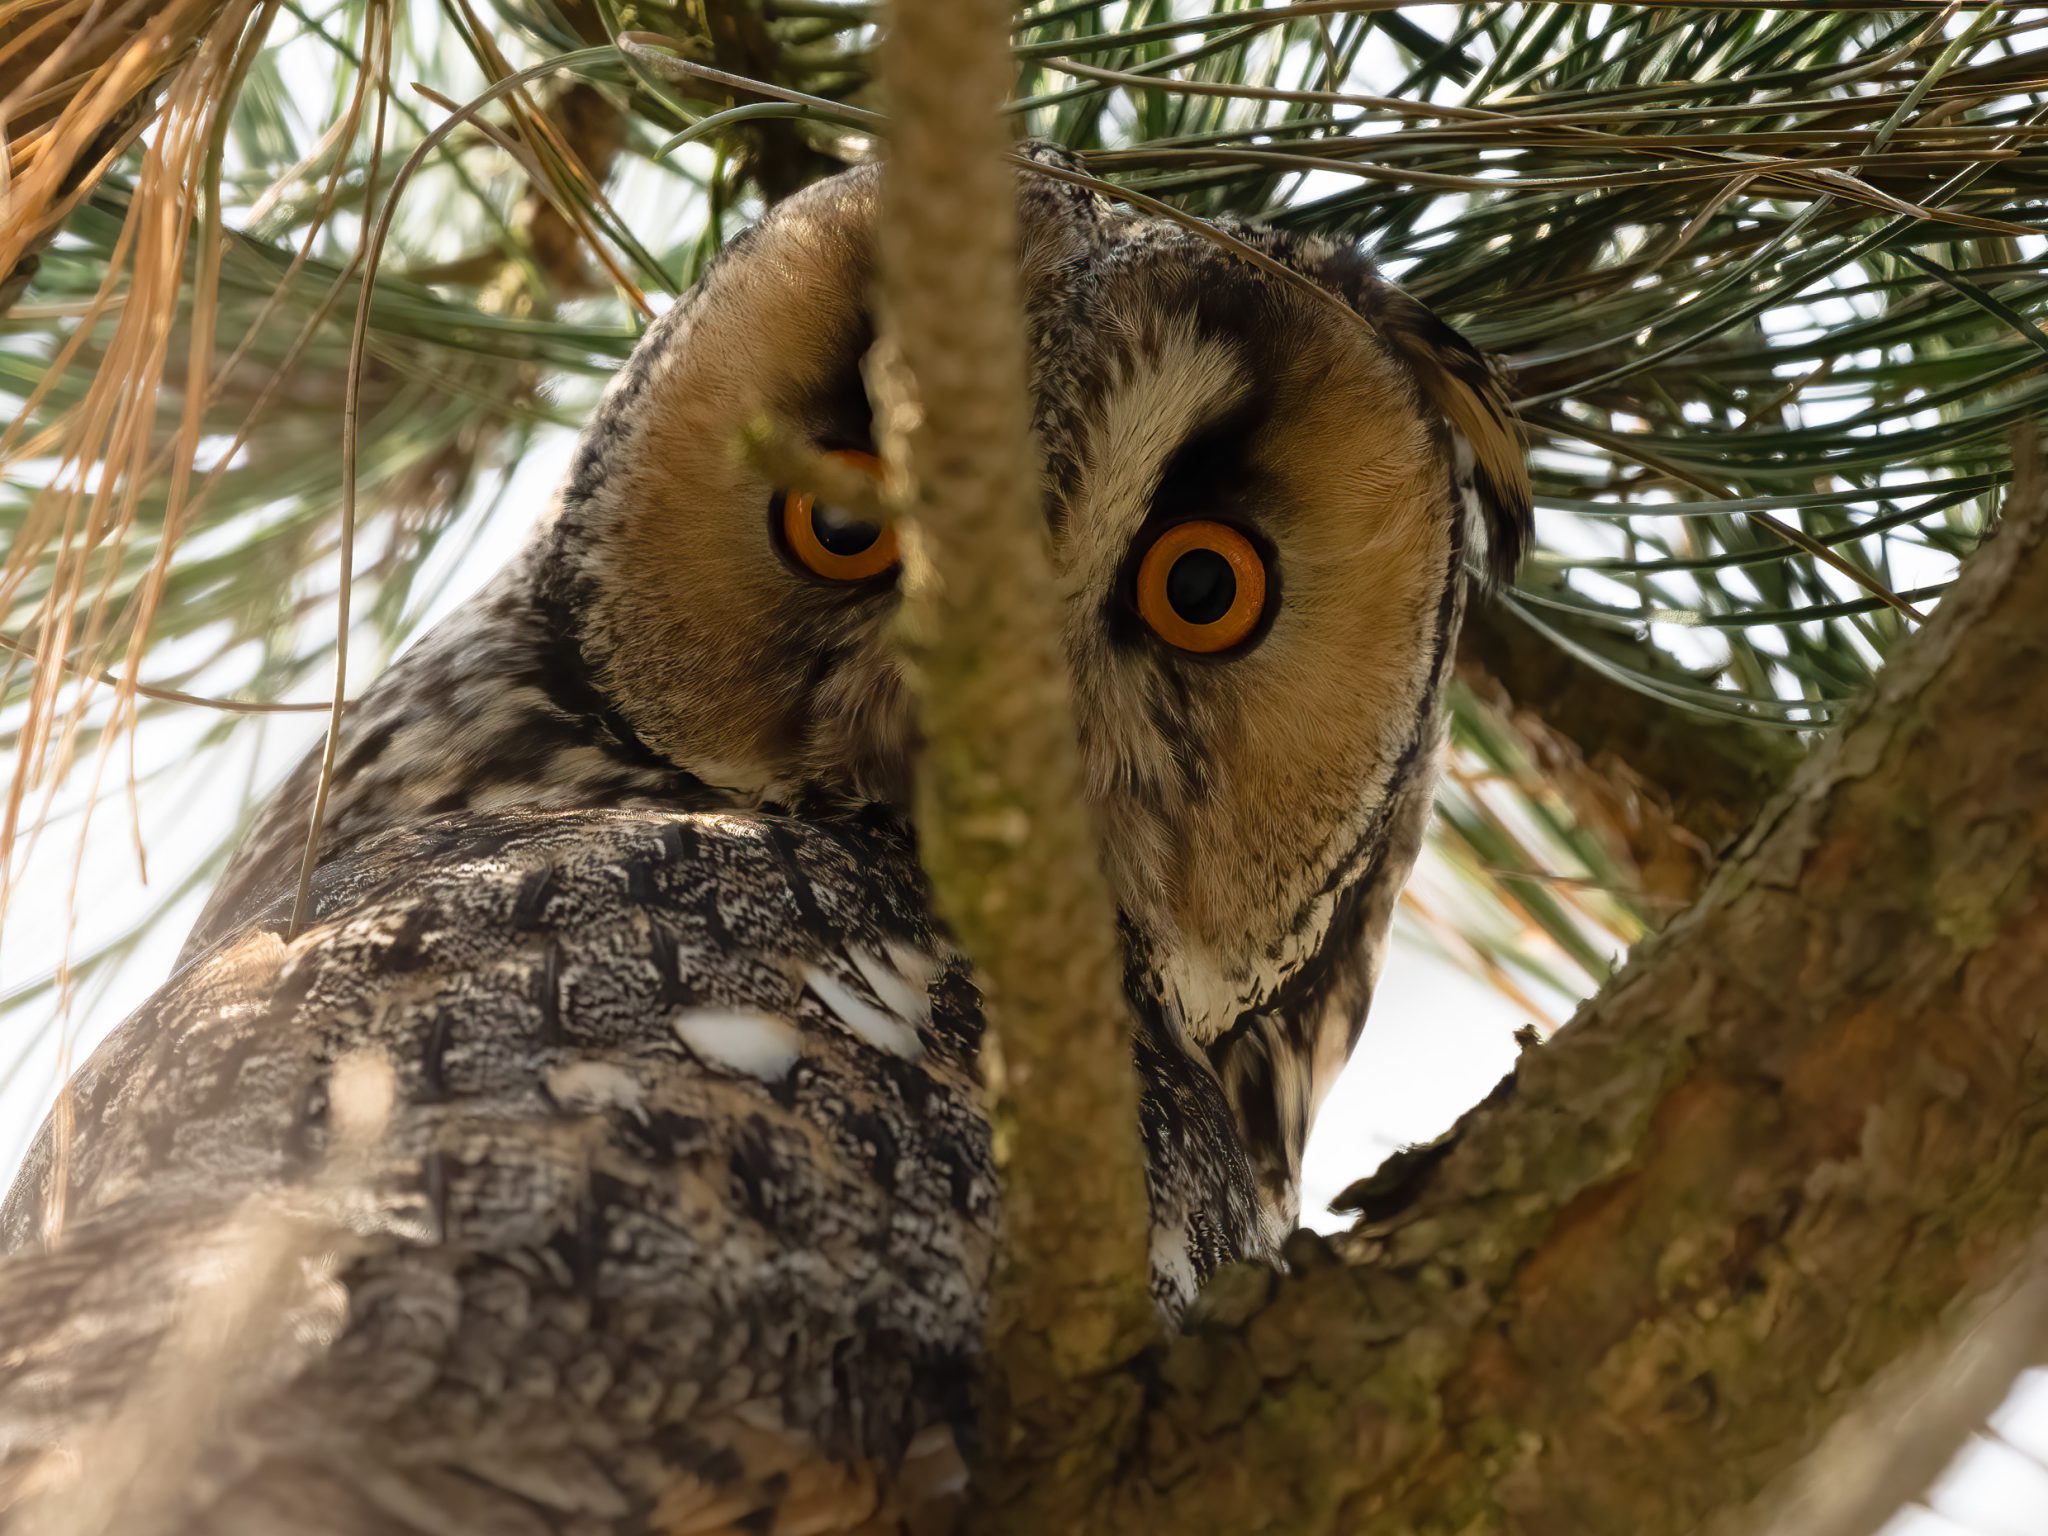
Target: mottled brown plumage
<point>679,1209</point>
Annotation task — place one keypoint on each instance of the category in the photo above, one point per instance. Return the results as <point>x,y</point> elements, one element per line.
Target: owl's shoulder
<point>710,1075</point>
<point>526,964</point>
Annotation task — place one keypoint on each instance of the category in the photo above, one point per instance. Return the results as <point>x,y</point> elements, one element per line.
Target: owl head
<point>1262,508</point>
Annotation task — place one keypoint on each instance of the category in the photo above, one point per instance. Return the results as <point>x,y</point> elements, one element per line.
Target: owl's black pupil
<point>1201,586</point>
<point>841,534</point>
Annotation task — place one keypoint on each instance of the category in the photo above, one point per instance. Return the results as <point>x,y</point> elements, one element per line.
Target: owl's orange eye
<point>830,542</point>
<point>1202,587</point>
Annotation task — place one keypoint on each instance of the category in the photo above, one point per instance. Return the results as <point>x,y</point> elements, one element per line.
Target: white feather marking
<point>755,1044</point>
<point>742,829</point>
<point>1171,1260</point>
<point>590,1086</point>
<point>1150,408</point>
<point>898,980</point>
<point>884,1031</point>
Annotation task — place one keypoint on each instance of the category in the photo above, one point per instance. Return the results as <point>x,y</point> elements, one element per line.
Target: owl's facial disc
<point>1252,514</point>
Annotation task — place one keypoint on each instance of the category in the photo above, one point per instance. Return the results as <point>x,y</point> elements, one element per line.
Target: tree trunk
<point>1800,1130</point>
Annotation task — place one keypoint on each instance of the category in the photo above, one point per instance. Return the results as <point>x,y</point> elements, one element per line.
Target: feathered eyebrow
<point>1214,469</point>
<point>1213,473</point>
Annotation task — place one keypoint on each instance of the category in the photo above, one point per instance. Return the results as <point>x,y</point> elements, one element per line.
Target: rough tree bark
<point>1794,1137</point>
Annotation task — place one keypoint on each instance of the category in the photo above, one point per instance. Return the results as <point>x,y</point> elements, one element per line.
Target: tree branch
<point>1791,1142</point>
<point>776,154</point>
<point>1003,821</point>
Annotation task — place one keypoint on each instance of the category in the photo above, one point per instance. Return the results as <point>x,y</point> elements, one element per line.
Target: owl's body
<point>676,1208</point>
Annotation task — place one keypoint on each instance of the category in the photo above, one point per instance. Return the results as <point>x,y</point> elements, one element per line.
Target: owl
<point>607,1153</point>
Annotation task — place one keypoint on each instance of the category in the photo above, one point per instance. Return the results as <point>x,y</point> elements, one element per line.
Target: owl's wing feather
<point>680,1208</point>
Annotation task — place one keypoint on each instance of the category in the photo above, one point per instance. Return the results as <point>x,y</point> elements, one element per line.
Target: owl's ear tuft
<point>1472,393</point>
